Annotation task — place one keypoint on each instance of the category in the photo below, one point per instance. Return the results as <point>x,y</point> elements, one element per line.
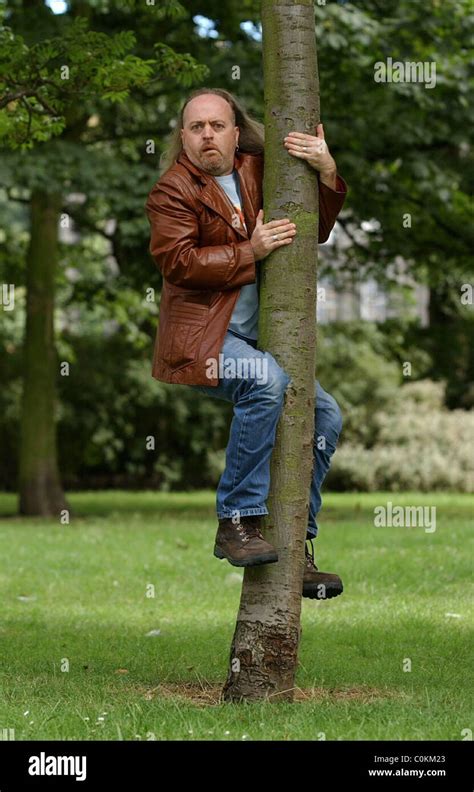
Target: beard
<point>213,162</point>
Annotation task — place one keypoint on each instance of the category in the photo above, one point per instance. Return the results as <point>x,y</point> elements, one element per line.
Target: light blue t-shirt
<point>244,319</point>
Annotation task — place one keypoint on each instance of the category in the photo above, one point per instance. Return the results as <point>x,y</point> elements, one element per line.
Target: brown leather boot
<point>316,584</point>
<point>242,543</point>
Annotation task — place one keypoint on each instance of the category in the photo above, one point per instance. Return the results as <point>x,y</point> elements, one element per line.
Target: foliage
<point>39,82</point>
<point>420,445</point>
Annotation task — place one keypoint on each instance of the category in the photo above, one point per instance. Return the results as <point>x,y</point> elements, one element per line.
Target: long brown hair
<point>251,137</point>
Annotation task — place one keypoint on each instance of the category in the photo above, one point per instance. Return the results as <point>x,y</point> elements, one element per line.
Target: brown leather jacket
<point>205,256</point>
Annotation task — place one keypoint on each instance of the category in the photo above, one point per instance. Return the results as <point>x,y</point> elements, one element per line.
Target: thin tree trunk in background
<point>264,651</point>
<point>39,481</point>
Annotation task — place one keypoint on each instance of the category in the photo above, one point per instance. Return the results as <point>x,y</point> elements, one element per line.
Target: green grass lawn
<point>76,596</point>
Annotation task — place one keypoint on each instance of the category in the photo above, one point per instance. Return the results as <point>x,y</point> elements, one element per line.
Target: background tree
<point>56,86</point>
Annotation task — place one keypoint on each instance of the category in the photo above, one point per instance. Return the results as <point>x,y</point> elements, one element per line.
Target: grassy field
<point>77,663</point>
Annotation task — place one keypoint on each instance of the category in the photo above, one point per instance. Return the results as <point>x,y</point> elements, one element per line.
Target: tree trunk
<point>264,649</point>
<point>39,482</point>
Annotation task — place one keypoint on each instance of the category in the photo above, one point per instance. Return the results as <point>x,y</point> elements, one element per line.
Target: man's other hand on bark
<point>315,151</point>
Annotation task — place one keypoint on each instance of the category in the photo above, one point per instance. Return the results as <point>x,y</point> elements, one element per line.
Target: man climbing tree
<point>209,239</point>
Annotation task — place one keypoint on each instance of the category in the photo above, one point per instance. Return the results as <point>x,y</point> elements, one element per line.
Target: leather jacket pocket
<point>184,331</point>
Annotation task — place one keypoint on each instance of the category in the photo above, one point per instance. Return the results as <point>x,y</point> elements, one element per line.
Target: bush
<point>357,366</point>
<point>420,445</point>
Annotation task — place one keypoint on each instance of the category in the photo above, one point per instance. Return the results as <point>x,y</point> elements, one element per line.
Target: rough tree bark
<point>264,650</point>
<point>39,481</point>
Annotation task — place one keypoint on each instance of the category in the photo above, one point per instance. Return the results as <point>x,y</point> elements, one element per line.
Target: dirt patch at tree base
<point>210,694</point>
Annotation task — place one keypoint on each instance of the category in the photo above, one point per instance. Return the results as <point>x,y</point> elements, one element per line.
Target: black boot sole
<point>266,558</point>
<point>313,592</point>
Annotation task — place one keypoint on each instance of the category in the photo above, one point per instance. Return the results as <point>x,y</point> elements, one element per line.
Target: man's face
<point>209,135</point>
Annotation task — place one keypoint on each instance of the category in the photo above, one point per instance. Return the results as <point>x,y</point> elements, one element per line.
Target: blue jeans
<point>257,391</point>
